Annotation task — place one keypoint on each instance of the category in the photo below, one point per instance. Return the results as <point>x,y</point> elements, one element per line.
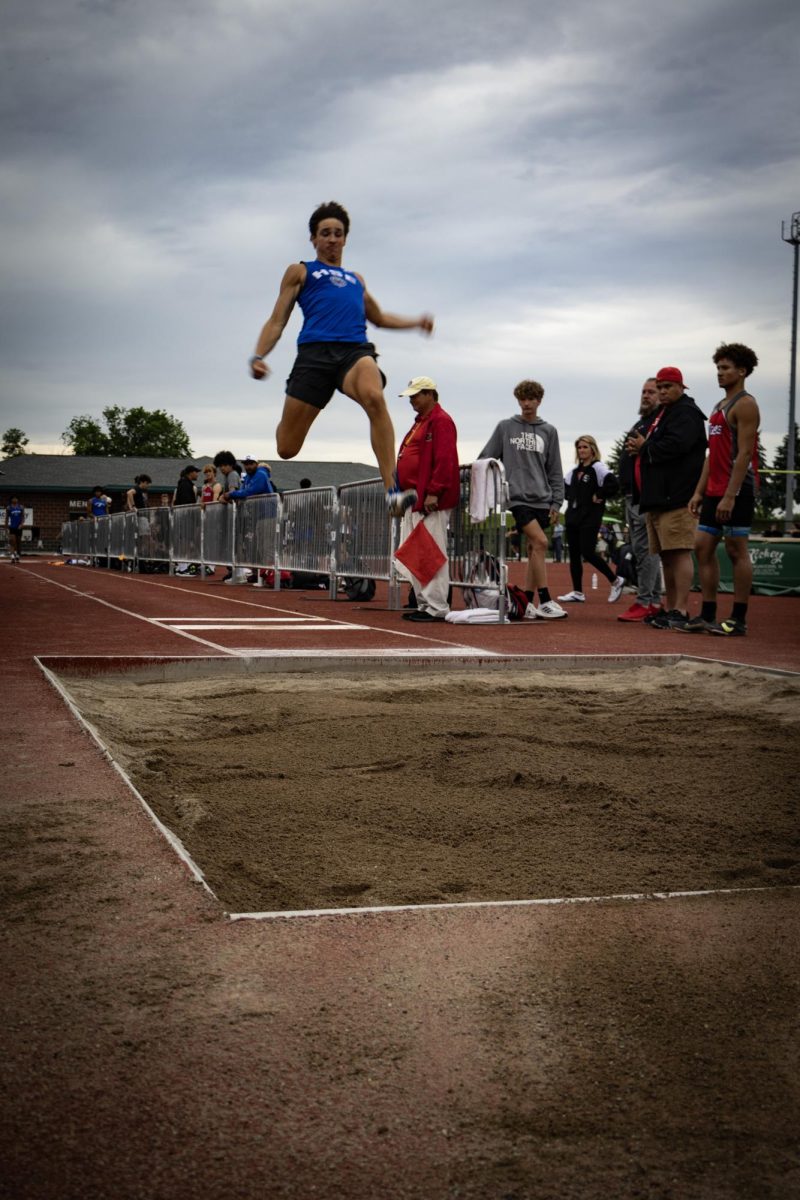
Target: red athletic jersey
<point>722,450</point>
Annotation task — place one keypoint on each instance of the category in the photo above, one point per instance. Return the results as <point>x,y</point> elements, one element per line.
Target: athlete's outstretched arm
<point>293,279</point>
<point>376,316</point>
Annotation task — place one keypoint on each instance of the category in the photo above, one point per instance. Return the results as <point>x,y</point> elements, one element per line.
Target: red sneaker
<point>636,612</point>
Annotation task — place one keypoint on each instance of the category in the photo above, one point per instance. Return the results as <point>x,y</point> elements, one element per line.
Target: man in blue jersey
<point>99,504</point>
<point>333,351</point>
<point>15,519</point>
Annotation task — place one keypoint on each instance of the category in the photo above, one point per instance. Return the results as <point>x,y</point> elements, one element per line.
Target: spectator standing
<point>528,448</point>
<point>588,485</point>
<point>648,566</point>
<point>671,460</point>
<point>230,469</point>
<point>98,505</point>
<point>137,500</point>
<point>725,496</point>
<point>427,464</point>
<point>15,519</point>
<point>211,490</point>
<point>256,481</point>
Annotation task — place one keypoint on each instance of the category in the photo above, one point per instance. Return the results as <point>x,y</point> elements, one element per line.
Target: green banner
<point>776,567</point>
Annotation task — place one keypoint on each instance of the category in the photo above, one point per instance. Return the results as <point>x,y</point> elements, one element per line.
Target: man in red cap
<point>671,458</point>
<point>427,465</point>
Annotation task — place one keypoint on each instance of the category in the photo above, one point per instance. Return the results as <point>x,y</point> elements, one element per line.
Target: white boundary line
<point>172,838</point>
<point>541,903</point>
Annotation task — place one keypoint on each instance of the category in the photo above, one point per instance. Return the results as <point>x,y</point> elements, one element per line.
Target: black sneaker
<point>652,617</point>
<point>421,614</point>
<point>693,625</point>
<point>659,620</point>
<point>728,628</point>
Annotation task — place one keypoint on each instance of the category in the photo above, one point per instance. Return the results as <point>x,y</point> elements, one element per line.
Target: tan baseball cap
<point>420,383</point>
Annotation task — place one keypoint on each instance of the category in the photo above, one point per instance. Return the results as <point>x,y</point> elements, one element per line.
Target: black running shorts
<point>320,368</point>
<point>523,515</point>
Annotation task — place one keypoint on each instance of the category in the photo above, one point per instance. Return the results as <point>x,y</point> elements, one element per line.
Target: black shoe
<point>729,628</point>
<point>421,614</point>
<point>693,625</point>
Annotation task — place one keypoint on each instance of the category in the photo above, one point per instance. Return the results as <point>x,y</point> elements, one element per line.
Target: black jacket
<point>626,463</point>
<point>672,457</point>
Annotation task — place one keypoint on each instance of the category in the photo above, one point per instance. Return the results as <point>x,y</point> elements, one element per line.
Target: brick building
<point>54,488</point>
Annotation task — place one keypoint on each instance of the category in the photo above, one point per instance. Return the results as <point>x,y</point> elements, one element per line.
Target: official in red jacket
<point>428,462</point>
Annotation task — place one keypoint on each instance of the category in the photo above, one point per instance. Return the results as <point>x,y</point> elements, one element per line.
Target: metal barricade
<point>69,538</point>
<point>257,532</point>
<point>477,549</point>
<point>155,544</point>
<point>116,535</point>
<point>308,532</point>
<point>218,534</point>
<point>101,537</point>
<point>185,545</point>
<point>364,531</point>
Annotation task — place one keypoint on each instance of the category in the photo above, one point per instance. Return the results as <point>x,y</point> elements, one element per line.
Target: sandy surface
<point>308,791</point>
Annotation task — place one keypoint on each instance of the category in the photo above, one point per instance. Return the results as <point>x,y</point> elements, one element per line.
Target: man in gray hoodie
<point>529,451</point>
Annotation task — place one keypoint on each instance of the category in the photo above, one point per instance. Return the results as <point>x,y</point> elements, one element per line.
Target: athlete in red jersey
<point>724,498</point>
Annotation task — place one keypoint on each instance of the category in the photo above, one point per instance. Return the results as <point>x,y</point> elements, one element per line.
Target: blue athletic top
<point>99,506</point>
<point>332,301</point>
<point>16,515</point>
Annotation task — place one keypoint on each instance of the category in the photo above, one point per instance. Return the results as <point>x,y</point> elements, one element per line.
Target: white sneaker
<point>235,581</point>
<point>181,570</point>
<point>530,613</point>
<point>572,598</point>
<point>550,611</point>
<point>616,589</point>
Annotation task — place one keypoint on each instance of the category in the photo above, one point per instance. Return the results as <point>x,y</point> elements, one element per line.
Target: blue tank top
<point>99,506</point>
<point>16,515</point>
<point>332,301</point>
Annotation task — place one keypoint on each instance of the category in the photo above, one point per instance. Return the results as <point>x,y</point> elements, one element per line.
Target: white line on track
<point>278,627</point>
<point>542,903</point>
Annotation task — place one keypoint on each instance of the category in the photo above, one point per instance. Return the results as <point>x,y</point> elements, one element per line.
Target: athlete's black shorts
<point>741,518</point>
<point>320,368</point>
<point>523,514</point>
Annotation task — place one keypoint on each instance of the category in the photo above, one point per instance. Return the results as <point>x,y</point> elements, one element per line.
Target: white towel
<point>474,616</point>
<point>482,496</point>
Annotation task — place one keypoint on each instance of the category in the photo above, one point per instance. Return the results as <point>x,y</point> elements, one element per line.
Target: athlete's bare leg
<point>678,575</point>
<point>296,420</point>
<point>705,548</point>
<point>363,384</point>
<point>536,574</point>
<point>739,555</point>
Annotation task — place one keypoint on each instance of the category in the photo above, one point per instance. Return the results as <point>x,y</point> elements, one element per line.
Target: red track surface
<point>351,1057</point>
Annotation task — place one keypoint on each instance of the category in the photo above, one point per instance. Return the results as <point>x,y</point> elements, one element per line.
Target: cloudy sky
<point>581,192</point>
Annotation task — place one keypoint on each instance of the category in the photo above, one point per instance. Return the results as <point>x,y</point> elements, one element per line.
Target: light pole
<point>793,238</point>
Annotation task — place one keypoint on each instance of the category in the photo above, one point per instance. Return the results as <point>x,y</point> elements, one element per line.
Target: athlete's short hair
<point>529,389</point>
<point>225,458</point>
<point>738,354</point>
<point>330,209</point>
<point>140,479</point>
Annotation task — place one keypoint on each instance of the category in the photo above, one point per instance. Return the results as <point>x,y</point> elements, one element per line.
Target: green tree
<point>773,487</point>
<point>14,442</point>
<point>129,432</point>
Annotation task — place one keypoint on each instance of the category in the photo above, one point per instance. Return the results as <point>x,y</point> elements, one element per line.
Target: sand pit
<point>319,790</point>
